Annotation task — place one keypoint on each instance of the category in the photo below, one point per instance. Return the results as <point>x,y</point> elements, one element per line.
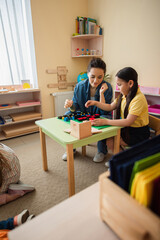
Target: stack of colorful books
<point>86,25</point>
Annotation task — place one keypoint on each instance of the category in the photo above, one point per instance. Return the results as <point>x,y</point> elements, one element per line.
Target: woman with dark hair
<point>92,88</point>
<point>131,110</point>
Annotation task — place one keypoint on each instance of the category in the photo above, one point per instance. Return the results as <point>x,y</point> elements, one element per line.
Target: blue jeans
<point>101,145</point>
<point>7,224</point>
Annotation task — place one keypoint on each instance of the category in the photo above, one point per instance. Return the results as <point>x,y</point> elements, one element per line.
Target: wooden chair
<point>154,123</point>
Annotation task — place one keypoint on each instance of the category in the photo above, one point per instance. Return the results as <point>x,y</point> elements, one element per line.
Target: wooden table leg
<point>84,151</point>
<point>117,142</point>
<point>43,149</point>
<point>70,164</point>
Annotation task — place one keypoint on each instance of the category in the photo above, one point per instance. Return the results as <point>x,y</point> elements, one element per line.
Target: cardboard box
<point>127,218</point>
<point>80,130</point>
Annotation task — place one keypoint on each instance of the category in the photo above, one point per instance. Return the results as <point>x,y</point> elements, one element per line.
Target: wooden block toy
<point>80,130</point>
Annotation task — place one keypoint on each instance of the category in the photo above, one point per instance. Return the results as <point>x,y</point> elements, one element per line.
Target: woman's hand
<point>68,103</point>
<point>99,122</point>
<point>103,88</point>
<point>90,103</point>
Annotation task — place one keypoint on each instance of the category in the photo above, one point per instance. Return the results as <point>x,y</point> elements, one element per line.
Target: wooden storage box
<point>80,130</point>
<point>127,218</point>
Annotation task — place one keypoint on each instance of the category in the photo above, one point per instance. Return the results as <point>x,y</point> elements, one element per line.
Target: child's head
<point>96,71</point>
<point>127,81</point>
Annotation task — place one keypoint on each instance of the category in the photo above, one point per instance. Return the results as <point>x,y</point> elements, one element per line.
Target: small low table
<point>54,128</point>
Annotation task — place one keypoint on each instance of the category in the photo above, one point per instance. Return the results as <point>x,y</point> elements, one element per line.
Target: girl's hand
<point>90,103</point>
<point>103,88</point>
<point>99,122</point>
<point>68,103</point>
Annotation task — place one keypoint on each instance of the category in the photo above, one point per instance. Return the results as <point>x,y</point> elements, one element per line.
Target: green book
<point>143,164</point>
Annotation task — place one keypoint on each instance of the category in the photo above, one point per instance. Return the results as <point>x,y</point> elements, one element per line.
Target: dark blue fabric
<point>82,95</point>
<point>132,135</point>
<point>124,170</point>
<point>7,224</point>
<point>126,159</point>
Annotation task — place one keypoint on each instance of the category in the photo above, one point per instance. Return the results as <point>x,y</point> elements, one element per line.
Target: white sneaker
<point>30,217</point>
<point>64,157</point>
<point>20,186</point>
<point>107,164</point>
<point>22,217</point>
<point>99,157</point>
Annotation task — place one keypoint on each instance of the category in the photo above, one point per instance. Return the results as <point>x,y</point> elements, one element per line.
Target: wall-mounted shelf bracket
<point>61,72</point>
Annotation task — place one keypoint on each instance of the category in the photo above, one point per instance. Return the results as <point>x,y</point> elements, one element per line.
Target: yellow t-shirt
<point>138,107</point>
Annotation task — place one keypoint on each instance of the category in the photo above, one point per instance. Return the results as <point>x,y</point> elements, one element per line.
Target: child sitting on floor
<point>10,187</point>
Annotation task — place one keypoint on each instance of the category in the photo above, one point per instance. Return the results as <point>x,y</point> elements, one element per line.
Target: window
<point>17,54</point>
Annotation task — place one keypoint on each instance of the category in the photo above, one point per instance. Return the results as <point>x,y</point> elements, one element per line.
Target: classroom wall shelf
<point>92,42</point>
<point>23,115</point>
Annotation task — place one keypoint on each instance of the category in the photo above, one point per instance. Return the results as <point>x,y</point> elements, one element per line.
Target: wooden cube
<point>127,218</point>
<point>80,130</point>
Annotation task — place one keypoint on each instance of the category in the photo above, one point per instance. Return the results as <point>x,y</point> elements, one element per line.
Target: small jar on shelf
<point>87,51</point>
<point>77,52</point>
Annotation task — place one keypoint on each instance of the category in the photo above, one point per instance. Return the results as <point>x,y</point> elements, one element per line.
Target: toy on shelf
<point>87,51</point>
<point>26,84</point>
<point>77,52</point>
<point>5,105</point>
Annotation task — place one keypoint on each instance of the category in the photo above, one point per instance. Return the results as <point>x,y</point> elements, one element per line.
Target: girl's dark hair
<point>97,63</point>
<point>127,74</point>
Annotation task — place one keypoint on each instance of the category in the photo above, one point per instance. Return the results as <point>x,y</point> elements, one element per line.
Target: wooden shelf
<point>86,56</point>
<point>27,120</point>
<point>86,36</point>
<point>21,128</point>
<point>18,107</point>
<point>31,90</point>
<point>3,137</point>
<point>24,116</point>
<point>86,41</point>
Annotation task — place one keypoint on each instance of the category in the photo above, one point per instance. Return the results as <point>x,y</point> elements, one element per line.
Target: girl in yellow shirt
<point>131,110</point>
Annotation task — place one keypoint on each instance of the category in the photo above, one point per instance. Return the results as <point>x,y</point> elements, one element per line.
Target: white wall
<point>131,36</point>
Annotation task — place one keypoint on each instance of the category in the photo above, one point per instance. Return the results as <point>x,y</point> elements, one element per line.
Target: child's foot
<point>30,217</point>
<point>107,164</point>
<point>21,218</point>
<point>99,157</point>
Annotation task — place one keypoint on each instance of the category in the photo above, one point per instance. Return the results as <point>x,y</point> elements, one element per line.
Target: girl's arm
<point>117,122</point>
<point>103,106</point>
